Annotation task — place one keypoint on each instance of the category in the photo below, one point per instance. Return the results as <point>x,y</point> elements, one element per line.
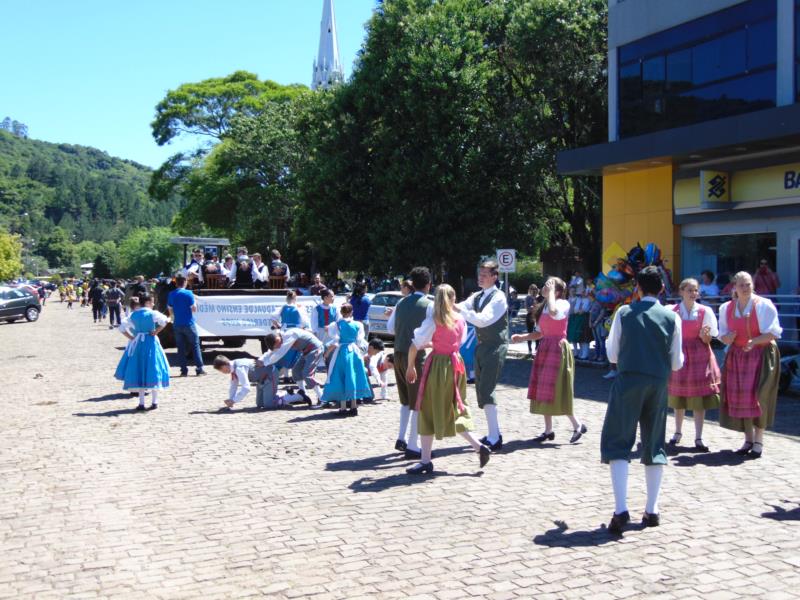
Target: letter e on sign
<point>507,260</point>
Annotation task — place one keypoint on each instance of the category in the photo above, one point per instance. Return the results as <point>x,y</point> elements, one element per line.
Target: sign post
<point>507,263</point>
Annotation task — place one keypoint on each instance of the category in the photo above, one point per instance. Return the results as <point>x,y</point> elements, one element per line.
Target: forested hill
<point>89,194</point>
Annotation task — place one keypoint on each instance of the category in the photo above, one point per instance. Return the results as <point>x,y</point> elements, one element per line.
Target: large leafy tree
<point>10,256</point>
<point>148,252</point>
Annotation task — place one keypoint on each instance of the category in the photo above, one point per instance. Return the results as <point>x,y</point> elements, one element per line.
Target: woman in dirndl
<point>550,389</point>
<point>441,400</point>
<point>749,325</point>
<point>695,386</point>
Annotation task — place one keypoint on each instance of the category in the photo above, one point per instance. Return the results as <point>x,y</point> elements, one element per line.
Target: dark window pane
<point>630,83</point>
<point>653,76</point>
<point>720,58</point>
<point>762,45</point>
<point>679,71</point>
<point>746,94</point>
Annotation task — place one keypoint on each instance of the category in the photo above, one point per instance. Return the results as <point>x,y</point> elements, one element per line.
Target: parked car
<point>18,303</point>
<point>377,319</point>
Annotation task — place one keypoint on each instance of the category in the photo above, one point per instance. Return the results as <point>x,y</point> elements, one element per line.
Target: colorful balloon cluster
<point>616,286</point>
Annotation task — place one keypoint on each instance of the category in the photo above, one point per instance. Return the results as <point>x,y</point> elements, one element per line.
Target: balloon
<point>652,254</point>
<point>616,276</point>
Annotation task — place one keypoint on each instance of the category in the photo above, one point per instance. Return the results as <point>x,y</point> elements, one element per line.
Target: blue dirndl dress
<point>347,376</point>
<point>290,317</point>
<point>144,365</point>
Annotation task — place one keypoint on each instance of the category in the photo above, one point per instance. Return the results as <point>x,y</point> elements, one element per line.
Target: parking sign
<point>507,260</point>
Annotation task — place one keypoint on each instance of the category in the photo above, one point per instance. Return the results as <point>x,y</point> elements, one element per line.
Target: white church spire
<point>328,67</point>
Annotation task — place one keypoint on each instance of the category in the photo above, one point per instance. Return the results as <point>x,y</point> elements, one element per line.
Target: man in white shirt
<point>645,343</point>
<point>194,269</point>
<point>487,310</point>
<point>243,372</point>
<point>259,272</point>
<point>278,344</point>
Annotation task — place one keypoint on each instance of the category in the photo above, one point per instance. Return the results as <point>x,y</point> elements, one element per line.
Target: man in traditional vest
<point>487,310</point>
<point>409,314</point>
<point>278,344</point>
<point>645,343</point>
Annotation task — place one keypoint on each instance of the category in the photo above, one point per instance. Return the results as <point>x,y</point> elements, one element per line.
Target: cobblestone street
<point>97,500</point>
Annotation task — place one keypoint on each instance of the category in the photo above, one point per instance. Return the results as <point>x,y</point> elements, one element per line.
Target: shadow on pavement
<point>370,484</point>
<point>115,396</point>
<point>781,514</point>
<point>111,413</point>
<point>559,538</point>
<point>225,411</point>
<point>723,458</point>
<point>516,445</point>
<point>386,461</point>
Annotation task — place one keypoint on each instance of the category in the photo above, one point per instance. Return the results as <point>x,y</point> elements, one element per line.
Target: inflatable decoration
<point>617,285</point>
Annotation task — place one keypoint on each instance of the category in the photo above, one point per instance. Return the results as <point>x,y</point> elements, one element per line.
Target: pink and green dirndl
<point>695,386</point>
<point>750,380</point>
<point>550,388</point>
<point>441,400</point>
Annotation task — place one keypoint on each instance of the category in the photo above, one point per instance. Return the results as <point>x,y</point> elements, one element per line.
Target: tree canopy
<point>10,256</point>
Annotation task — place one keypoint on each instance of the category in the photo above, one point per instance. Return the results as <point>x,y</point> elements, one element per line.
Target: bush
<point>528,271</point>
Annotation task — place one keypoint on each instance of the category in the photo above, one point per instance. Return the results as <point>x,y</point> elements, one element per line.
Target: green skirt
<point>694,402</point>
<point>563,394</point>
<point>438,415</point>
<point>575,327</point>
<point>768,383</point>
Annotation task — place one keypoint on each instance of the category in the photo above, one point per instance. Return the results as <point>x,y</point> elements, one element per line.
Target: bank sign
<point>250,316</point>
<point>721,189</point>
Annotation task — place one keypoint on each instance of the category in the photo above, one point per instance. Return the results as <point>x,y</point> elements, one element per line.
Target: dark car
<point>18,303</point>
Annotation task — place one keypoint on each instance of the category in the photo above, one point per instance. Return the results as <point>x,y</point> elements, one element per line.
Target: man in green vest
<point>409,314</point>
<point>487,310</point>
<point>645,343</point>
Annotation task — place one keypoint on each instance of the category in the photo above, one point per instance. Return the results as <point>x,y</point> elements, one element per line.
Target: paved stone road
<point>99,501</point>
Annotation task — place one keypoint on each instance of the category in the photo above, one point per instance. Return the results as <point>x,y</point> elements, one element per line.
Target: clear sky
<point>90,72</point>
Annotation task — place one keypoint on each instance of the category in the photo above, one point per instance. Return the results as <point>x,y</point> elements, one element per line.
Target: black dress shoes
<point>420,468</point>
<point>577,434</point>
<point>618,522</point>
<point>400,445</point>
<point>306,397</point>
<point>745,449</point>
<point>412,454</point>
<point>496,447</point>
<point>650,520</point>
<point>700,446</point>
<point>353,412</point>
<point>544,437</point>
<point>484,455</point>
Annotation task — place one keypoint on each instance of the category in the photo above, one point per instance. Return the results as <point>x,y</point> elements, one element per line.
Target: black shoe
<point>484,454</point>
<point>676,438</point>
<point>650,520</point>
<point>409,454</point>
<point>745,449</point>
<point>577,434</point>
<point>700,446</point>
<point>420,468</point>
<point>756,453</point>
<point>544,437</point>
<point>152,407</point>
<point>184,374</point>
<point>141,407</point>
<point>400,446</point>
<point>618,522</point>
<point>342,412</point>
<point>200,373</point>
<point>306,398</point>
<point>496,447</point>
<point>353,412</point>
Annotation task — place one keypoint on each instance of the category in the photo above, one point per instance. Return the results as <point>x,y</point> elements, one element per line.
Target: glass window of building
<point>725,255</point>
<point>717,66</point>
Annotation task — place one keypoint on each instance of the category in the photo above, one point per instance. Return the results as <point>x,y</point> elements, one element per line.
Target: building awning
<point>775,130</point>
<point>200,241</point>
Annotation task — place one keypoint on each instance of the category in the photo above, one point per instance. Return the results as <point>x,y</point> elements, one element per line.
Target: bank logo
<point>717,186</point>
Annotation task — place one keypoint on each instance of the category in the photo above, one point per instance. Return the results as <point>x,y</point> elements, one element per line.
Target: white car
<point>377,318</point>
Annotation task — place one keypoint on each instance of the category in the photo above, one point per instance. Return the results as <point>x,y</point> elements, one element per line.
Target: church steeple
<point>328,67</point>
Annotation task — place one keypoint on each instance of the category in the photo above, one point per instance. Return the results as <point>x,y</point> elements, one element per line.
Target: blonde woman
<point>441,400</point>
<point>695,386</point>
<point>749,325</point>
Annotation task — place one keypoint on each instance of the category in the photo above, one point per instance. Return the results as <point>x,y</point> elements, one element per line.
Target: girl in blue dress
<point>347,377</point>
<point>143,366</point>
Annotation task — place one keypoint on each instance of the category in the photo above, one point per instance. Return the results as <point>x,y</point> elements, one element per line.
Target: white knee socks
<point>491,419</point>
<point>413,438</point>
<point>141,397</point>
<point>619,481</point>
<point>653,474</point>
<point>405,415</point>
<point>154,397</point>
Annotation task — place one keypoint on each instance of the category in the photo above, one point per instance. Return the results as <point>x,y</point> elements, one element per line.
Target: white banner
<point>228,316</point>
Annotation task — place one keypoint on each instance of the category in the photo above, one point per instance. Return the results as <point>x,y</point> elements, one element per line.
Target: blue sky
<point>91,71</point>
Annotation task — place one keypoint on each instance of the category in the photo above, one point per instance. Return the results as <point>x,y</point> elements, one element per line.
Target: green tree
<point>58,248</point>
<point>148,252</point>
<point>10,256</point>
<point>87,250</point>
